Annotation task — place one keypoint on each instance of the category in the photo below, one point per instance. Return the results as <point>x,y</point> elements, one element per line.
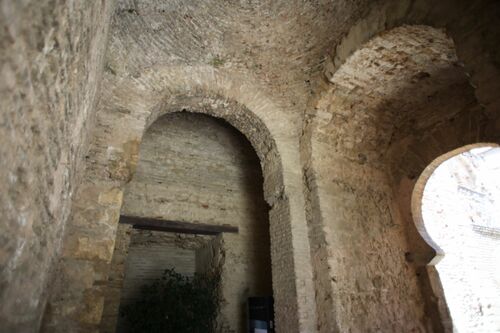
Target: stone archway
<point>460,21</point>
<point>195,173</point>
<point>397,101</point>
<point>455,209</point>
<point>125,113</point>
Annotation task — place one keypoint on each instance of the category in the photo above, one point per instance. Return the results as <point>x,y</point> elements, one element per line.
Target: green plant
<point>217,61</point>
<point>175,303</point>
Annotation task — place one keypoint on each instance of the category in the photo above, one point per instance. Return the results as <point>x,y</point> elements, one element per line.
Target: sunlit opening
<point>461,214</point>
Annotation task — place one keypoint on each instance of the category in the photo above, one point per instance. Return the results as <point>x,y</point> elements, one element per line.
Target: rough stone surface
<point>113,158</point>
<point>344,102</point>
<point>473,26</point>
<point>282,42</point>
<point>114,284</point>
<point>213,176</point>
<point>397,103</point>
<point>51,58</point>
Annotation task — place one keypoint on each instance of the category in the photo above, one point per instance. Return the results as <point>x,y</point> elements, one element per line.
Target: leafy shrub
<point>175,303</point>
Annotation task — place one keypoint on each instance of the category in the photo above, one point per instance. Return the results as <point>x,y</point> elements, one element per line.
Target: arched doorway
<point>393,105</point>
<point>197,172</point>
<point>456,207</point>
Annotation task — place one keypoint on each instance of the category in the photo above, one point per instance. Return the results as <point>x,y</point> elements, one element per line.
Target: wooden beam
<point>146,223</point>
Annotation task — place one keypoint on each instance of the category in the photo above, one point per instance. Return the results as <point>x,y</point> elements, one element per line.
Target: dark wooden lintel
<point>174,226</point>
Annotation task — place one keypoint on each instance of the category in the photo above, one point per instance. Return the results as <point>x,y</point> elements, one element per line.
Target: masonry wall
<point>369,286</point>
<point>51,54</point>
<point>401,90</point>
<point>198,169</point>
<point>114,284</point>
<point>258,64</point>
<point>244,62</point>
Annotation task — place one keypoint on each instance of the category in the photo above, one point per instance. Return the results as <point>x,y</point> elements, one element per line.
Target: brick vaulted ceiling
<point>283,43</point>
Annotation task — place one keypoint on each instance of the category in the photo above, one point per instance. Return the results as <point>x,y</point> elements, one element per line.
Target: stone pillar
<point>113,289</point>
<point>293,289</point>
<point>77,300</point>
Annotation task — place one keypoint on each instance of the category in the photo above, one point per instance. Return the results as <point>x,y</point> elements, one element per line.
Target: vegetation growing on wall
<point>176,303</point>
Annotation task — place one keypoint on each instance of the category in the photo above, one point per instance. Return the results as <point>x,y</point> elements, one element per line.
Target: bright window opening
<point>460,218</point>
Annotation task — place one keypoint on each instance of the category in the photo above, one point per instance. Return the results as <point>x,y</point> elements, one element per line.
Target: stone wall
<point>473,26</point>
<point>368,133</point>
<point>124,115</point>
<point>194,168</point>
<point>401,92</point>
<point>210,259</point>
<point>52,59</point>
<point>114,284</point>
<point>266,58</point>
